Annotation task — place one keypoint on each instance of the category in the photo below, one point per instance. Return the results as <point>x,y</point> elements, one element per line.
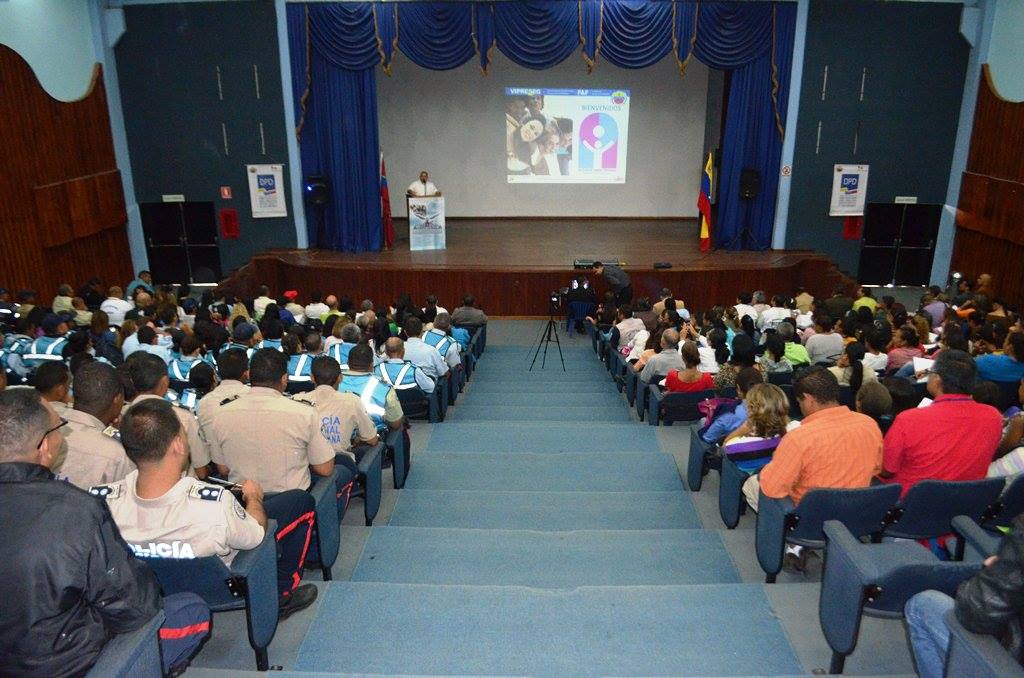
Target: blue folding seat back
<point>135,654</point>
<point>328,522</point>
<point>736,469</point>
<point>973,541</point>
<point>249,584</point>
<point>727,392</point>
<point>696,466</point>
<point>794,407</point>
<point>178,386</point>
<point>643,392</point>
<point>401,457</point>
<point>780,378</point>
<point>631,382</point>
<point>928,508</point>
<point>1009,505</point>
<point>419,405</point>
<point>294,387</point>
<point>862,510</point>
<point>875,579</point>
<point>977,655</point>
<point>1008,394</point>
<point>370,470</point>
<point>664,407</point>
<point>846,397</point>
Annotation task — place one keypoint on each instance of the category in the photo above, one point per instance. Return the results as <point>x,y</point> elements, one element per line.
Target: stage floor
<point>553,244</point>
<point>512,265</point>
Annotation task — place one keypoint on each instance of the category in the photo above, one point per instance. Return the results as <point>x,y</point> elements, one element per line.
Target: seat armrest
<point>982,542</point>
<point>977,655</point>
<point>258,568</point>
<point>135,653</point>
<point>328,523</point>
<point>769,534</point>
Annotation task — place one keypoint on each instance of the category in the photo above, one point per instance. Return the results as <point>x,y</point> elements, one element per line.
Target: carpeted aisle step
<point>567,413</point>
<point>568,472</point>
<point>483,387</point>
<point>542,437</point>
<point>550,511</point>
<point>417,555</point>
<point>544,398</point>
<point>506,630</point>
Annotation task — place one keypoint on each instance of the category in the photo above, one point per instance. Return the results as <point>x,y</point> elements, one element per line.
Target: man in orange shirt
<point>833,447</point>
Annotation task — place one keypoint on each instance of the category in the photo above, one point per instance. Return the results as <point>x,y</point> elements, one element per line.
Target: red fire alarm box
<point>225,192</point>
<point>229,228</point>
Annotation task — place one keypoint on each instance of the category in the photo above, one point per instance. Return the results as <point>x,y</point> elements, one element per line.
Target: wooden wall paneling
<point>990,213</point>
<point>62,214</point>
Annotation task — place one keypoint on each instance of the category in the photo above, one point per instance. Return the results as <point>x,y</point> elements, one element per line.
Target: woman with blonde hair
<point>750,447</point>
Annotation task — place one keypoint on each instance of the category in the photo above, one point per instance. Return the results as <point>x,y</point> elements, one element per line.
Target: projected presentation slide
<point>566,136</point>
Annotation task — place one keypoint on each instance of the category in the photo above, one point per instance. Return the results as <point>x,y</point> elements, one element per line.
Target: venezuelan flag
<point>704,204</point>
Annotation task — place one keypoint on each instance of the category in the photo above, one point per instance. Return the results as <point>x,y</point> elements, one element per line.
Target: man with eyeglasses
<point>72,583</point>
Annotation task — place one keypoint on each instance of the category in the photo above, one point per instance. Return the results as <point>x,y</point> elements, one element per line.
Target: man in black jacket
<point>71,583</point>
<point>991,602</point>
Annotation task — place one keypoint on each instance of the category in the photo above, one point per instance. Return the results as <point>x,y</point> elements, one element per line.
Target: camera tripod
<point>551,329</point>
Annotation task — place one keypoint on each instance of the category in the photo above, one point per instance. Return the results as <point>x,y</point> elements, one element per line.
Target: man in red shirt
<point>954,438</point>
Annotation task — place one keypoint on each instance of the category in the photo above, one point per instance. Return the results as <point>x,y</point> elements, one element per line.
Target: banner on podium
<point>426,223</point>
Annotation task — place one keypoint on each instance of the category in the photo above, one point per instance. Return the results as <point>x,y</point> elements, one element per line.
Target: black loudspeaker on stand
<point>318,193</point>
<point>750,187</point>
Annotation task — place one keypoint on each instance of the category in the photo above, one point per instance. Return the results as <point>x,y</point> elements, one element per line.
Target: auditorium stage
<point>511,265</point>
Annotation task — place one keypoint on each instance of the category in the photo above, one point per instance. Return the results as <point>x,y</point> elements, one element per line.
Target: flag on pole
<point>385,207</point>
<point>704,204</point>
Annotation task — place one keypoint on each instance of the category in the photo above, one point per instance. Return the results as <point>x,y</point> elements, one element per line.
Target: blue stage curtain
<point>635,33</point>
<point>755,42</point>
<point>537,34</point>
<point>338,128</point>
<point>336,95</point>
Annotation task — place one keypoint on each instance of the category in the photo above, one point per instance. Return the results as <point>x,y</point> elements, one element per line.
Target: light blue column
<point>107,28</point>
<point>976,26</point>
<point>796,75</point>
<point>294,155</point>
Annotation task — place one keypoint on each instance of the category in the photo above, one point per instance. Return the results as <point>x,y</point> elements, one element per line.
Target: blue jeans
<point>929,635</point>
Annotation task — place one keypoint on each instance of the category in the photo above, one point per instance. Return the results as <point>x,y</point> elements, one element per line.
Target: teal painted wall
<point>1006,51</point>
<point>55,38</point>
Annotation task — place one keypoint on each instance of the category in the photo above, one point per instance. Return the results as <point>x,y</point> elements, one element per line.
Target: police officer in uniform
<point>50,346</point>
<point>149,377</point>
<point>398,372</point>
<point>379,399</point>
<point>275,441</point>
<point>94,452</point>
<point>243,336</point>
<point>189,356</point>
<point>350,336</point>
<point>300,365</point>
<point>233,368</point>
<point>343,422</point>
<point>72,581</point>
<point>445,345</point>
<point>164,514</point>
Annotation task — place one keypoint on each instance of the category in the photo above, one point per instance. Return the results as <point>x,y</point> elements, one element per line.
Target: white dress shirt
<point>115,309</point>
<point>420,189</point>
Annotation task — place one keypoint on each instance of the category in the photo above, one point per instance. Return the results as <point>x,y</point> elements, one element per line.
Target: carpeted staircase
<point>543,531</point>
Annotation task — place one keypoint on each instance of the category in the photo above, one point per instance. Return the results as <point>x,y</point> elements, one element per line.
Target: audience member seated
<point>422,354</point>
<point>874,400</point>
<point>743,356</point>
<point>954,438</point>
<point>189,356</point>
<point>833,447</point>
<point>264,436</point>
<point>850,370</point>
<point>468,314</point>
<point>743,305</point>
<point>838,304</point>
<point>825,346</point>
<point>76,584</point>
<point>905,346</point>
<point>666,359</point>
<point>774,357</point>
<point>767,421</point>
<point>991,603</point>
<point>233,371</point>
<point>398,372</point>
<point>379,399</point>
<point>1006,366</point>
<point>350,335</point>
<point>149,378</point>
<point>440,339</point>
<point>202,379</point>
<point>796,354</point>
<point>864,300</point>
<point>713,350</point>
<point>48,347</point>
<point>53,382</point>
<point>94,454</point>
<point>774,314</point>
<point>344,422</point>
<point>690,379</point>
<point>727,422</point>
<point>316,307</point>
<point>803,300</point>
<point>625,327</point>
<point>260,303</point>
